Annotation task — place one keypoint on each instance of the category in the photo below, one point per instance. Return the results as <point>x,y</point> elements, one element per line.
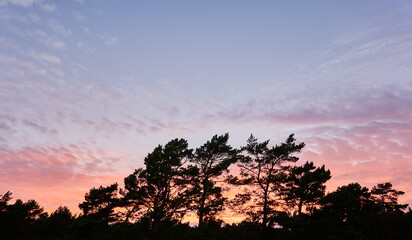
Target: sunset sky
<point>89,87</point>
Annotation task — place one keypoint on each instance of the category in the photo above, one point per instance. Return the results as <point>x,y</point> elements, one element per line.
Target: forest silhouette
<point>278,197</point>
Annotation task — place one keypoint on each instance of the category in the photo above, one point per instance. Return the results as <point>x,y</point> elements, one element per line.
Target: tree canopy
<point>279,199</point>
<point>210,161</point>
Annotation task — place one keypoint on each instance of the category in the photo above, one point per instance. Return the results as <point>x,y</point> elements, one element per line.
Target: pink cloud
<point>56,175</point>
<point>369,154</point>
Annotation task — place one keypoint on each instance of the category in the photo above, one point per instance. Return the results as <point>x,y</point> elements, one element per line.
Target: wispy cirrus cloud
<point>58,28</point>
<point>35,18</point>
<point>83,46</point>
<point>367,153</point>
<point>109,40</point>
<point>23,3</point>
<point>50,7</point>
<point>41,36</point>
<point>352,107</point>
<point>46,58</point>
<point>39,128</point>
<point>46,6</point>
<point>78,17</point>
<point>349,100</point>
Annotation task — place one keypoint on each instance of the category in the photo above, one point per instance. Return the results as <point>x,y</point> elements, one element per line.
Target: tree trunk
<point>155,225</point>
<point>202,206</point>
<point>300,206</point>
<point>265,210</point>
<point>201,213</point>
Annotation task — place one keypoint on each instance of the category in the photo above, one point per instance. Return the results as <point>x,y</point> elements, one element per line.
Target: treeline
<point>279,199</point>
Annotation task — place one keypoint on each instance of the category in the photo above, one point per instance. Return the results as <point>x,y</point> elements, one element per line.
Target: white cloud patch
<point>24,67</point>
<point>58,28</point>
<point>34,18</point>
<point>56,44</point>
<point>86,30</point>
<point>49,7</point>
<point>49,58</point>
<point>81,45</point>
<point>45,39</point>
<point>23,3</point>
<point>8,43</point>
<point>6,16</point>
<point>57,72</point>
<point>78,17</point>
<point>43,58</point>
<point>109,40</point>
<point>98,12</point>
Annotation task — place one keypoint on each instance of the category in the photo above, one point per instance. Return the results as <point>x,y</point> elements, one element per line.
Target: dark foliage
<point>160,192</point>
<point>99,203</point>
<point>262,170</point>
<point>280,201</point>
<point>210,161</point>
<point>304,187</point>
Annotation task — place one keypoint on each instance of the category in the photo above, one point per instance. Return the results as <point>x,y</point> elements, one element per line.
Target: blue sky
<point>88,88</point>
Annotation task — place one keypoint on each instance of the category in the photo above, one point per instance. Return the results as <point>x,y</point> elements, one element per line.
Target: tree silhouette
<point>5,198</point>
<point>347,202</point>
<point>162,186</point>
<point>210,161</point>
<point>280,200</point>
<point>262,170</point>
<point>17,221</point>
<point>133,196</point>
<point>386,198</point>
<point>59,223</point>
<point>305,186</point>
<point>100,203</point>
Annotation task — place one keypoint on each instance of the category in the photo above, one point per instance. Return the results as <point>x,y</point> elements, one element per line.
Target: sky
<point>89,87</point>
